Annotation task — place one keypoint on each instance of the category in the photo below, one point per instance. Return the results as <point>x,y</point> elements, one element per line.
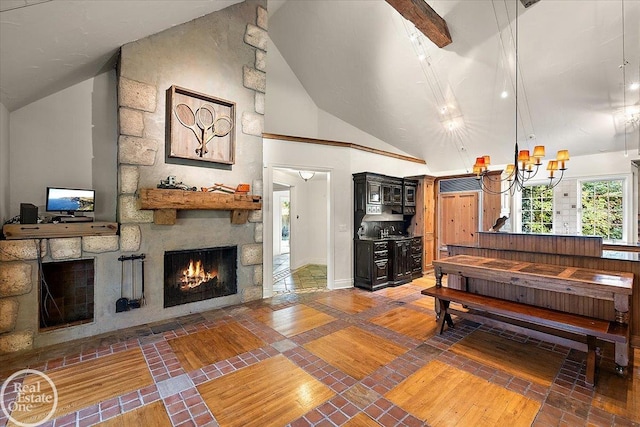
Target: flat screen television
<point>70,200</point>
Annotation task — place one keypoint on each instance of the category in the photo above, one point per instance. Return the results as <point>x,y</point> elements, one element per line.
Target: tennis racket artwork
<point>203,123</point>
<point>195,120</point>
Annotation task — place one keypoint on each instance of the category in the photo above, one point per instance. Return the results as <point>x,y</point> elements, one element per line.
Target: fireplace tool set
<point>126,304</point>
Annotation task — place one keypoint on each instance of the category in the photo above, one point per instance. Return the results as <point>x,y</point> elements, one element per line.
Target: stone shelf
<point>165,203</point>
<point>48,231</point>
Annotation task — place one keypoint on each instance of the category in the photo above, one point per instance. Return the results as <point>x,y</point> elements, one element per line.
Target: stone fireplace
<point>223,55</point>
<point>197,275</point>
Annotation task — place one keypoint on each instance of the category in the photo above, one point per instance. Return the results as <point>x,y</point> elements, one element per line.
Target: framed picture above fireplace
<point>200,127</point>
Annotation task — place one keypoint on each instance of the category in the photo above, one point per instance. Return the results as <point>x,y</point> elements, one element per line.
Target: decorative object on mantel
<point>525,165</point>
<point>200,127</point>
<point>166,203</point>
<point>170,183</point>
<point>240,189</point>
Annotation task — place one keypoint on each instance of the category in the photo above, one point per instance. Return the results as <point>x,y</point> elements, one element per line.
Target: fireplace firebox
<point>66,293</point>
<point>199,274</point>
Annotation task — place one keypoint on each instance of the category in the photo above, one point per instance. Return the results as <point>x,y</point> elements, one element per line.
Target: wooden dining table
<point>591,283</point>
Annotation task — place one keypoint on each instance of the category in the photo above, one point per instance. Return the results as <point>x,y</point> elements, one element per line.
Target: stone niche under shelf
<point>19,280</point>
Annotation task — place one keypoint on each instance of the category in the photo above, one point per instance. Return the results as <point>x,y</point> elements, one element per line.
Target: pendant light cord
<point>624,84</point>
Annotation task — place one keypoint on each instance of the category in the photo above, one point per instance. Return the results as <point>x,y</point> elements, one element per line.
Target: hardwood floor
<point>460,402</point>
<point>407,322</point>
<point>338,358</point>
<point>541,367</point>
<point>293,320</point>
<point>352,304</point>
<point>153,414</point>
<point>354,351</point>
<point>273,392</point>
<point>87,383</point>
<point>222,342</point>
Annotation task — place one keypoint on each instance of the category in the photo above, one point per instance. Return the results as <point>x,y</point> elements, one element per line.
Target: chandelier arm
<point>489,190</point>
<point>551,185</point>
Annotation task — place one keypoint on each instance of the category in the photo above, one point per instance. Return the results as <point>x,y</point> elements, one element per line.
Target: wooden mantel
<point>165,203</point>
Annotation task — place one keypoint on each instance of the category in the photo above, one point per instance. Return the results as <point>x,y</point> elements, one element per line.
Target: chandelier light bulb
<point>504,94</point>
<point>634,86</point>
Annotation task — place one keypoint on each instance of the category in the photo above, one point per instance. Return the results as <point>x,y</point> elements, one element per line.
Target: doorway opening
<point>281,231</point>
<point>300,229</point>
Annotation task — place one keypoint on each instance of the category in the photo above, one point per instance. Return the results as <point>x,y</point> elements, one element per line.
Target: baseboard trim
<point>342,284</point>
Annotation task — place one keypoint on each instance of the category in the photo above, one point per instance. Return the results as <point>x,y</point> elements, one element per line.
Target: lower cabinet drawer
<point>381,271</point>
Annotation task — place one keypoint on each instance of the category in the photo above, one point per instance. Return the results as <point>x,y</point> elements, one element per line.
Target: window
<point>537,209</point>
<point>602,208</point>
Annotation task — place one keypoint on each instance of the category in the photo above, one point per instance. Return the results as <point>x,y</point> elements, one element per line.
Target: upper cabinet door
<point>396,198</point>
<point>409,195</point>
<point>374,193</point>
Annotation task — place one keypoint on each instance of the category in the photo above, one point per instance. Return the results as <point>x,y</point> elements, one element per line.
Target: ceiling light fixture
<point>634,86</point>
<point>525,164</point>
<point>504,94</point>
<point>306,175</point>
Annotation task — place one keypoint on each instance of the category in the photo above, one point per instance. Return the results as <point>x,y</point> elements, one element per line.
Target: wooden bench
<point>556,320</point>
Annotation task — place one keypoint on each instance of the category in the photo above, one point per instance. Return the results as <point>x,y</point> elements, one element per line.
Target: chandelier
<point>525,164</point>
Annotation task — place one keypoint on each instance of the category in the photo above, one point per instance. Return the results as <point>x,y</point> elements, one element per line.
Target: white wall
<point>310,237</point>
<point>332,128</point>
<point>4,164</point>
<point>289,110</point>
<point>61,140</point>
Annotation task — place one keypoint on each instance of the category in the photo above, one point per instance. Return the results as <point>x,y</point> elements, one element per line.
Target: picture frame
<point>200,128</point>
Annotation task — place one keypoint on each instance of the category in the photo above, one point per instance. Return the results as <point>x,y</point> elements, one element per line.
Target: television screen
<point>70,200</point>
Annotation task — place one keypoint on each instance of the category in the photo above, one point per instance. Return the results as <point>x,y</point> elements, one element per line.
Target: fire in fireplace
<point>199,274</point>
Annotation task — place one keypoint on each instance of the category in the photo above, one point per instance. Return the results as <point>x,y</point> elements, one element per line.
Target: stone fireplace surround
<point>147,68</point>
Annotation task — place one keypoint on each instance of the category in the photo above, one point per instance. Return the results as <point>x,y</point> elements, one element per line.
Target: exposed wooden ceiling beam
<point>425,19</point>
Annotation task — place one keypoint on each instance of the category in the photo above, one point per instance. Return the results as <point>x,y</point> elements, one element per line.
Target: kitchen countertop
<point>380,239</point>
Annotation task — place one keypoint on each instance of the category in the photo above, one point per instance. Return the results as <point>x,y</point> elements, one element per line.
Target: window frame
<point>518,205</point>
<point>625,204</point>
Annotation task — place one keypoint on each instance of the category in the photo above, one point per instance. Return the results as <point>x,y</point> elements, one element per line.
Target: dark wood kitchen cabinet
<point>371,264</point>
<point>392,191</point>
<point>402,261</point>
<point>416,257</point>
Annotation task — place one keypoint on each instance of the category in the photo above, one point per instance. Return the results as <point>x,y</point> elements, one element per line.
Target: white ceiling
<point>357,62</point>
<point>48,45</point>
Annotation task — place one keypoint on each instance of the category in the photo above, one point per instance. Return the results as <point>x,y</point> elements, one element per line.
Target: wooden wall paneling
<point>423,222</point>
<point>491,203</point>
<point>417,226</point>
<point>543,243</point>
<point>458,218</point>
<point>429,236</point>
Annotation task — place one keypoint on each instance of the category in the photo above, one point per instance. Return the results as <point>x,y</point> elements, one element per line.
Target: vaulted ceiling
<point>359,60</point>
<point>48,45</point>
